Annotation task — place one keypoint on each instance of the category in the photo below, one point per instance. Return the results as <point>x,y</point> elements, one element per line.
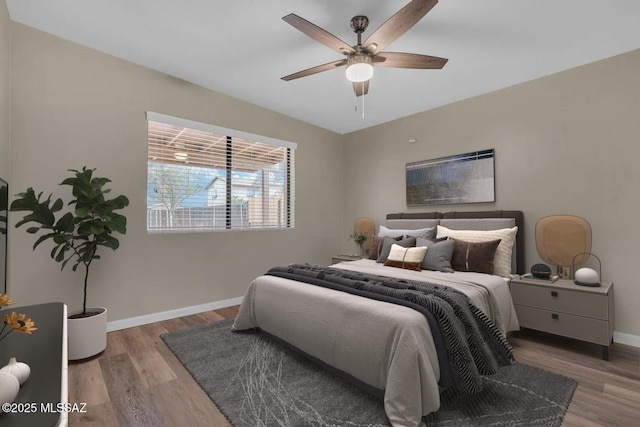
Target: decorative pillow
<point>438,256</point>
<point>386,247</point>
<point>407,258</point>
<point>507,236</point>
<point>474,256</point>
<point>376,246</point>
<point>427,233</point>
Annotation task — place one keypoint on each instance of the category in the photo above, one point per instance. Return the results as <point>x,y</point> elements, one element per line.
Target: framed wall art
<point>463,178</point>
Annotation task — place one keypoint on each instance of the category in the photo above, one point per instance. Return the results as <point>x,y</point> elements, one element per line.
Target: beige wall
<point>564,144</point>
<point>5,92</point>
<point>74,106</point>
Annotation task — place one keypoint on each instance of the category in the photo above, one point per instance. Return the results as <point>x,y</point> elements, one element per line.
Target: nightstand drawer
<point>564,301</point>
<point>581,328</point>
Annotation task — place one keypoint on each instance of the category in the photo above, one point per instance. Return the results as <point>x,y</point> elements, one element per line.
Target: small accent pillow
<point>427,233</point>
<point>386,247</point>
<point>376,245</point>
<point>474,256</point>
<point>407,258</point>
<point>438,256</point>
<point>507,236</point>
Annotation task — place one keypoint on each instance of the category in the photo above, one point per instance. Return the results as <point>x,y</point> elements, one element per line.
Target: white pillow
<point>408,258</point>
<point>502,260</point>
<point>427,233</point>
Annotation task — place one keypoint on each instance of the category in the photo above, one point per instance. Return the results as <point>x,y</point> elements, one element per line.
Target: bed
<point>384,345</point>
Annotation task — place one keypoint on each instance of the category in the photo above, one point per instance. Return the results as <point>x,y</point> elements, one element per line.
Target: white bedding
<point>384,345</point>
<point>490,293</point>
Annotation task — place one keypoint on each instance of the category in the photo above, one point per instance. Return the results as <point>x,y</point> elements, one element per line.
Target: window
<point>202,177</point>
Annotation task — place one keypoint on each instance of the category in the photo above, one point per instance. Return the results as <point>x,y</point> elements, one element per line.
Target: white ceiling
<point>243,47</point>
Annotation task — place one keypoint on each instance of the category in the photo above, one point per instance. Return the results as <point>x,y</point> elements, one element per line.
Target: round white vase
<point>20,370</point>
<point>87,335</point>
<point>9,387</point>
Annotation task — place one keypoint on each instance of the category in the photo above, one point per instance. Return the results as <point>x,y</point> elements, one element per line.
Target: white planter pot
<point>88,335</point>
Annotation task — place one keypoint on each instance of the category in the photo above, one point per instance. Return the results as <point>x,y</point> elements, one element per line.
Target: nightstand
<point>566,309</point>
<point>339,258</point>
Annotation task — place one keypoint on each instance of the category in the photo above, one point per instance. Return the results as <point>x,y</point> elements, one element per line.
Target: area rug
<point>256,381</point>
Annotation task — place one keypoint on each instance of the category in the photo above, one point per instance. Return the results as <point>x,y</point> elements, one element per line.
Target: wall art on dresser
<point>463,178</point>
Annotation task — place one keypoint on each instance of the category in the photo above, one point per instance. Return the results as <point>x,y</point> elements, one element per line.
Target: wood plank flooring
<point>138,382</point>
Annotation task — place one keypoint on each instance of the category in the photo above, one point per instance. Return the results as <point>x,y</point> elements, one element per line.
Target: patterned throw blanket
<point>473,345</point>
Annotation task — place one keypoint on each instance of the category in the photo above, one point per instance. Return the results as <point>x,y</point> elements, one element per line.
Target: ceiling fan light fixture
<point>359,58</point>
<point>359,68</point>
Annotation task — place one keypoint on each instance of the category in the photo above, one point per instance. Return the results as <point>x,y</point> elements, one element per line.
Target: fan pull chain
<point>363,100</point>
<point>355,107</point>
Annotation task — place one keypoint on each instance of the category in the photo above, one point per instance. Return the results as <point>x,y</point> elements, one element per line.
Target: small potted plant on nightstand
<point>359,240</point>
<point>77,235</point>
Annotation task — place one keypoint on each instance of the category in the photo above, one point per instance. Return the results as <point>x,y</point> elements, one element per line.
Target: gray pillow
<point>438,255</point>
<point>386,247</point>
<point>376,245</point>
<point>425,233</point>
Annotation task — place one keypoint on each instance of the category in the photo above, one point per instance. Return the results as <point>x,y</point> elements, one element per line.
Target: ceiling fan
<point>361,58</point>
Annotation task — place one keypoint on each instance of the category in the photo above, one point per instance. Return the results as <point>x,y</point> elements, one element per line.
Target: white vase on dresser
<point>9,387</point>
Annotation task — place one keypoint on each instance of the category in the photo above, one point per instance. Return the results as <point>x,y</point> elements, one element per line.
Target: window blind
<point>202,177</point>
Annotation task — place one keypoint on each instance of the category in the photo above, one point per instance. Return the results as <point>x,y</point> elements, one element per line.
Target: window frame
<point>289,173</point>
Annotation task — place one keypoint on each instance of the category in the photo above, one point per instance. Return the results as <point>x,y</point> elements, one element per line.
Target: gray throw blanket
<point>474,346</point>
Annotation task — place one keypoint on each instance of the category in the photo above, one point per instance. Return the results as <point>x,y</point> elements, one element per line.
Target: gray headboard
<point>429,219</point>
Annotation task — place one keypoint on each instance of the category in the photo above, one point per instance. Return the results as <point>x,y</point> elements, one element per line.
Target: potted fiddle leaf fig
<point>77,232</point>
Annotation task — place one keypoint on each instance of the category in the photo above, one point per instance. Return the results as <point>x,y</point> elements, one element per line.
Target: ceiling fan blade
<point>397,25</point>
<point>318,34</point>
<point>361,88</point>
<point>410,60</point>
<point>315,70</point>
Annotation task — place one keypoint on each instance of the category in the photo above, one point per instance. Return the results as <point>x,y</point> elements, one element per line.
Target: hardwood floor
<point>138,381</point>
<point>608,392</point>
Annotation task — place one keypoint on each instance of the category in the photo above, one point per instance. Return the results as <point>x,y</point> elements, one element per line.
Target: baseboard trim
<point>170,314</point>
<point>627,339</point>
